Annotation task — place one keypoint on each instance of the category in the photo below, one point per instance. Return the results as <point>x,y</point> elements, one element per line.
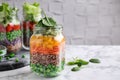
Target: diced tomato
<point>16,27</point>
<point>9,28</point>
<point>31,25</point>
<point>24,25</point>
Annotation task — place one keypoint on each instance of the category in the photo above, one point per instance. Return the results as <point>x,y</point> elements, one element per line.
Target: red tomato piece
<point>31,25</point>
<point>16,27</point>
<point>9,28</point>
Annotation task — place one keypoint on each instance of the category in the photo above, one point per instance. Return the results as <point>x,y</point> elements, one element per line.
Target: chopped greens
<point>80,63</point>
<point>94,60</point>
<point>75,69</point>
<point>7,13</point>
<point>32,12</point>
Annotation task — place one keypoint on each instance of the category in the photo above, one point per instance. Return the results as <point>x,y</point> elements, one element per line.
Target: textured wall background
<point>85,21</point>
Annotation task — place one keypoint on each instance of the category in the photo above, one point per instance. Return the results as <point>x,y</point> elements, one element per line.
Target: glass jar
<point>28,27</point>
<point>47,55</point>
<point>10,32</point>
<point>31,15</point>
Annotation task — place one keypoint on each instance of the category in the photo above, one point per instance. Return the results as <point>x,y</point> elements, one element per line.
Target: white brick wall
<point>84,21</point>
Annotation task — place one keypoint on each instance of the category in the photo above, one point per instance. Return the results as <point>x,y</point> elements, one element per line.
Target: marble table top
<point>108,69</point>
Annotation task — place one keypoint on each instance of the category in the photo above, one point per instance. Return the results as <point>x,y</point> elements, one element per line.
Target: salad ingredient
<point>16,60</point>
<point>75,69</point>
<point>94,60</point>
<point>23,56</point>
<point>32,12</point>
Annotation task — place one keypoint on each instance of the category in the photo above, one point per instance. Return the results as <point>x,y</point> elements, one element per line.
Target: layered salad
<point>32,14</point>
<point>10,33</point>
<point>47,48</point>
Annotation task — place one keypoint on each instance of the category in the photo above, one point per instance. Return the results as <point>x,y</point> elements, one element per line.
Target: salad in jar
<point>10,30</point>
<point>47,57</point>
<point>31,14</point>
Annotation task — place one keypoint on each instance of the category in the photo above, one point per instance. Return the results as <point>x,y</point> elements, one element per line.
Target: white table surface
<point>108,69</point>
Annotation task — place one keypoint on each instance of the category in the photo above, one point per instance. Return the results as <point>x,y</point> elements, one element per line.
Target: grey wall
<point>84,21</point>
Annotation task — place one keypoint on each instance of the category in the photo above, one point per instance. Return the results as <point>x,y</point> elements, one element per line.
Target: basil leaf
<point>47,21</point>
<point>94,60</point>
<point>75,69</point>
<point>83,62</point>
<point>40,24</point>
<point>71,63</point>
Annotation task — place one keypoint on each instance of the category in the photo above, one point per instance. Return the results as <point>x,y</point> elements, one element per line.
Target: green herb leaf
<point>83,62</point>
<point>94,60</point>
<point>75,69</point>
<point>79,64</point>
<point>48,21</point>
<point>71,63</point>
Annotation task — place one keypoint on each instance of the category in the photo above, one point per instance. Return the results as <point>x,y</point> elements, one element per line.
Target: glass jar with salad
<point>10,31</point>
<point>32,14</point>
<point>47,57</point>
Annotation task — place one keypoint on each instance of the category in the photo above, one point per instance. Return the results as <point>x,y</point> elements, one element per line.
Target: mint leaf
<point>71,63</point>
<point>94,60</point>
<point>75,69</point>
<point>83,62</point>
<point>49,22</point>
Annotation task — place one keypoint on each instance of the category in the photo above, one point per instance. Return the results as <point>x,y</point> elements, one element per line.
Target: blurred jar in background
<point>10,30</point>
<point>31,15</point>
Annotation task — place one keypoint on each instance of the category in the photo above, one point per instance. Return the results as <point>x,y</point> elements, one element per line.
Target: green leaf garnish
<point>71,63</point>
<point>32,12</point>
<point>7,13</point>
<point>94,60</point>
<point>78,62</point>
<point>75,69</point>
<point>82,62</point>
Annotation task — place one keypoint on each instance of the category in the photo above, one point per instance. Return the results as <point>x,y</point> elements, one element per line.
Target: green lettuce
<point>7,13</point>
<point>32,12</point>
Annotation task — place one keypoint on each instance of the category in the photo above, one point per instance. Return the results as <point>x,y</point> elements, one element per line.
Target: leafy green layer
<point>7,13</point>
<point>32,12</point>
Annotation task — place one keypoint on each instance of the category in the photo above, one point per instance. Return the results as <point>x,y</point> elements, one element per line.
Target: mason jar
<point>27,28</point>
<point>31,16</point>
<point>47,55</point>
<point>10,33</point>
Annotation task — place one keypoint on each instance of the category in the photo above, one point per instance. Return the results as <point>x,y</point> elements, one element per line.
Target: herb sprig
<point>80,62</point>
